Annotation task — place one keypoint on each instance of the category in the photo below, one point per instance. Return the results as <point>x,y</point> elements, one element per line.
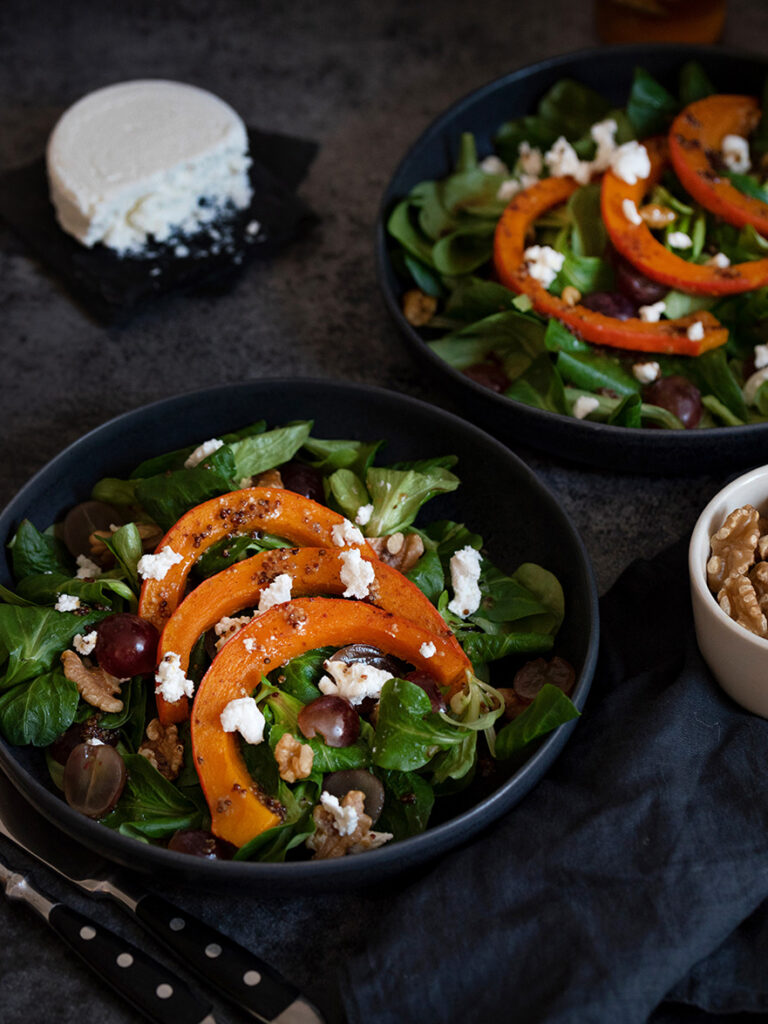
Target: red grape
<point>126,645</point>
<point>678,396</point>
<point>303,479</point>
<point>331,717</point>
<point>340,783</point>
<point>94,777</point>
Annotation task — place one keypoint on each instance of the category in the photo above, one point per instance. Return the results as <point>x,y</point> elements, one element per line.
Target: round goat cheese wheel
<point>145,161</point>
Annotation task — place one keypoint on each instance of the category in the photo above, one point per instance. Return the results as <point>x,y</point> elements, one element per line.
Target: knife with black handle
<point>148,985</point>
<point>220,961</point>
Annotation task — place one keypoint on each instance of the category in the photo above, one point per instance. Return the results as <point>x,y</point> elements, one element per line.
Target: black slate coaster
<point>111,288</point>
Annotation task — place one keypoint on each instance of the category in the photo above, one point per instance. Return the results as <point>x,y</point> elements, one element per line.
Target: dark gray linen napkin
<point>635,872</point>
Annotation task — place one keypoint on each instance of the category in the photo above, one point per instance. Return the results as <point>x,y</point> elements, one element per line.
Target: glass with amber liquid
<point>660,21</point>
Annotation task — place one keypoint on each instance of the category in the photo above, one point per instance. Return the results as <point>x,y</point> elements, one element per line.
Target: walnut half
<point>328,841</point>
<point>163,749</point>
<point>294,759</point>
<point>400,550</point>
<point>97,687</point>
<point>733,547</point>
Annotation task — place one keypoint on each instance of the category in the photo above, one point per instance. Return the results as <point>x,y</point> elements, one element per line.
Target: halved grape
<point>82,520</point>
<point>94,777</point>
<point>331,717</point>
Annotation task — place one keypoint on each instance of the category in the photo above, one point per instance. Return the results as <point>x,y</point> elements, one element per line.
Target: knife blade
<point>148,985</point>
<point>229,967</point>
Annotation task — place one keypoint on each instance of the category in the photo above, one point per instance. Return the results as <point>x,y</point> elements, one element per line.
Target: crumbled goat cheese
<point>94,741</point>
<point>345,818</point>
<point>493,165</point>
<point>679,240</point>
<point>67,603</point>
<point>465,574</point>
<point>718,260</point>
<point>544,263</point>
<point>278,592</point>
<point>753,385</point>
<point>696,331</point>
<point>584,405</point>
<point>356,574</point>
<point>85,644</point>
<point>364,514</point>
<point>244,716</point>
<point>530,160</point>
<point>603,135</point>
<point>227,626</point>
<point>735,153</point>
<point>563,162</point>
<point>646,373</point>
<point>427,649</point>
<point>761,356</point>
<point>652,314</point>
<point>170,681</point>
<point>631,162</point>
<point>155,567</point>
<point>86,569</point>
<point>253,227</point>
<point>345,533</point>
<point>508,190</point>
<point>249,644</point>
<point>629,209</point>
<point>354,682</point>
<point>202,452</point>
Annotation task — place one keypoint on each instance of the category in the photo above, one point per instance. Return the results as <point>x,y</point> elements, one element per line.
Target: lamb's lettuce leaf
<point>550,709</point>
<point>38,710</point>
<point>35,552</point>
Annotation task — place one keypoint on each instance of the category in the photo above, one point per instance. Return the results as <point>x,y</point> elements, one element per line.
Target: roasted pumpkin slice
<point>269,509</point>
<point>239,810</point>
<point>638,335</point>
<point>313,571</point>
<point>636,242</point>
<point>695,142</point>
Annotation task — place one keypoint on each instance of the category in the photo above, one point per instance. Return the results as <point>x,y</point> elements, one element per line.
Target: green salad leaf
<point>38,710</point>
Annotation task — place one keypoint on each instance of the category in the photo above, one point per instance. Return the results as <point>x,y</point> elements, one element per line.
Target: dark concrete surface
<point>363,79</point>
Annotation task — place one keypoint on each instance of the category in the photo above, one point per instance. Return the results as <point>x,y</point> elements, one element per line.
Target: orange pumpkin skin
<point>239,811</point>
<point>695,136</point>
<point>314,571</point>
<point>270,509</point>
<point>637,244</point>
<point>666,336</point>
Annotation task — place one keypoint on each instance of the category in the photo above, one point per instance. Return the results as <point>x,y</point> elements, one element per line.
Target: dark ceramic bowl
<point>609,70</point>
<point>499,496</point>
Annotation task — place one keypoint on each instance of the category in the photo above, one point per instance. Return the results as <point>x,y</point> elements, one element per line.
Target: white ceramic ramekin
<point>737,658</point>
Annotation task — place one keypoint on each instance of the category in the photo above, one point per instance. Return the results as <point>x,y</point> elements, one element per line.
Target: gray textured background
<point>363,79</point>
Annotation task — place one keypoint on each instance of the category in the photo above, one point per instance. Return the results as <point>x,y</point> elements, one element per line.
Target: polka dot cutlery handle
<point>225,964</point>
<point>144,982</point>
<point>153,989</point>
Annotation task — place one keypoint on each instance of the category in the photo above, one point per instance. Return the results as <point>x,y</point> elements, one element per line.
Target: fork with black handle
<point>216,959</point>
<point>148,985</point>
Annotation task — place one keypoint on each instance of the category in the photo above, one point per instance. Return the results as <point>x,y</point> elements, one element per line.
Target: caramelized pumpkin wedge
<point>313,571</point>
<point>636,242</point>
<point>239,811</point>
<point>269,509</point>
<point>508,256</point>
<point>695,142</point>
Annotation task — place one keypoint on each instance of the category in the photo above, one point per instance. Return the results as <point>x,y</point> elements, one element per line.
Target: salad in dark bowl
<point>272,644</point>
<point>580,249</point>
